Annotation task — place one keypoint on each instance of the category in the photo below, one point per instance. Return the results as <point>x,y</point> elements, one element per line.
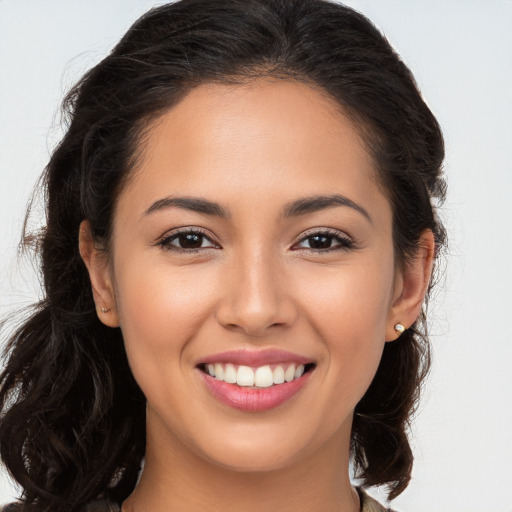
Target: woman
<point>240,237</point>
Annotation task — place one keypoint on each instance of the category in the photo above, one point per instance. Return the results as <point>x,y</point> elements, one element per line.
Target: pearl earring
<point>105,310</point>
<point>399,328</point>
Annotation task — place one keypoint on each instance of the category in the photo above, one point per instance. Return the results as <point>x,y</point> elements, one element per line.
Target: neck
<point>176,478</point>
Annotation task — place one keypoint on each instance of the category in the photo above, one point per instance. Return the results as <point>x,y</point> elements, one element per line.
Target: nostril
<point>251,310</point>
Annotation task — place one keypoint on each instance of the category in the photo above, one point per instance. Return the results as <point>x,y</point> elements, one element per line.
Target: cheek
<point>349,312</point>
<point>159,310</point>
<point>352,300</point>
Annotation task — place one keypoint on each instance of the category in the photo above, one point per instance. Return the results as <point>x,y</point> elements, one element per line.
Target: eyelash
<point>343,241</point>
<point>166,241</point>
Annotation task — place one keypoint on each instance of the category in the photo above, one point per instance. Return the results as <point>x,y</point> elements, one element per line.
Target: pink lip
<point>255,358</point>
<point>253,399</point>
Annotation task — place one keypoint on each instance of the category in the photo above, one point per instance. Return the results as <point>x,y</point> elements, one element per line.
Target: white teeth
<point>289,374</point>
<point>263,377</point>
<point>219,371</point>
<point>244,376</point>
<point>230,374</point>
<point>278,375</point>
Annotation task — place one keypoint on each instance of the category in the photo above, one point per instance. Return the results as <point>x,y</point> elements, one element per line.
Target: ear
<point>411,285</point>
<point>96,262</point>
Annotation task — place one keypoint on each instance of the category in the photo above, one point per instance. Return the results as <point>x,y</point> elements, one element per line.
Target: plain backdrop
<point>461,54</point>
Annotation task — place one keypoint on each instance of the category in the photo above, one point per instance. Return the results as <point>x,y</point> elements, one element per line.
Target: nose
<point>256,296</point>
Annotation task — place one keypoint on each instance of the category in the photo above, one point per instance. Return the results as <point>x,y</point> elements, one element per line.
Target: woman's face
<point>253,237</point>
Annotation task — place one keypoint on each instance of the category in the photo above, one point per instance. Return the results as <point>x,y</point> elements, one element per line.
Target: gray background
<point>461,54</point>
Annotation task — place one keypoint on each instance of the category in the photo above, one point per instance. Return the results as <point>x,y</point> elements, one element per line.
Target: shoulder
<point>368,504</point>
<point>93,506</point>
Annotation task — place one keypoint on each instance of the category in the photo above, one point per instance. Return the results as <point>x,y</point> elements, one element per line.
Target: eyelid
<point>164,240</point>
<point>348,242</point>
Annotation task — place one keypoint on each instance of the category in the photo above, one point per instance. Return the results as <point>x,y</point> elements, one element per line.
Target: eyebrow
<point>194,204</point>
<point>316,203</point>
<point>294,209</point>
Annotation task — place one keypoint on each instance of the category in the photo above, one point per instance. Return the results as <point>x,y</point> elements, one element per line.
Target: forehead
<point>271,136</point>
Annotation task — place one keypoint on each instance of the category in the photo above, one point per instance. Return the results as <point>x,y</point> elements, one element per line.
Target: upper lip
<point>255,358</point>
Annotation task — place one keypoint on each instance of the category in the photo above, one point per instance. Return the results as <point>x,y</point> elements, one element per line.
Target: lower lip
<point>254,399</point>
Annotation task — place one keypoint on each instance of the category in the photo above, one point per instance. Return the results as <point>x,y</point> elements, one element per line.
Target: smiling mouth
<point>266,376</point>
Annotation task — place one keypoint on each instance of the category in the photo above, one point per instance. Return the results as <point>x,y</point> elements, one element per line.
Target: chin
<point>240,462</point>
<point>264,451</point>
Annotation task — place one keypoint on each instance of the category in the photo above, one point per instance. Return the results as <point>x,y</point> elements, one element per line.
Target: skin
<point>253,283</point>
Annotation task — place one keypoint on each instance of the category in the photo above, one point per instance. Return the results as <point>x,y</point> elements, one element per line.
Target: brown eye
<point>325,241</point>
<point>320,241</point>
<point>187,241</point>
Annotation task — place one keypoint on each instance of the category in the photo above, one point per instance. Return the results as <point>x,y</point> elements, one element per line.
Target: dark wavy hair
<point>73,422</point>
